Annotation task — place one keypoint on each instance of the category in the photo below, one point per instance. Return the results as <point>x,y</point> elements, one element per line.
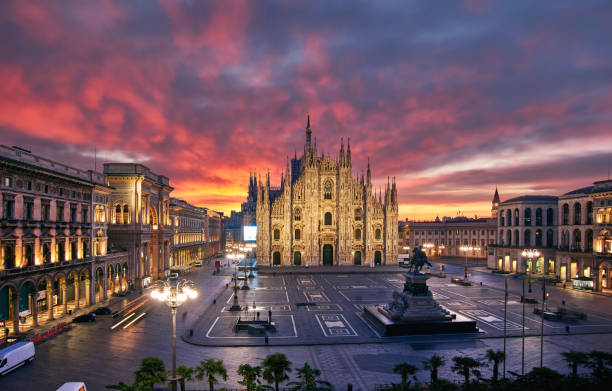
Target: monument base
<point>386,327</point>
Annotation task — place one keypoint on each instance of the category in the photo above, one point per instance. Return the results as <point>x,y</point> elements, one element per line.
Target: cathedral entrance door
<point>377,258</point>
<point>357,258</point>
<point>328,255</point>
<point>276,258</point>
<point>297,258</point>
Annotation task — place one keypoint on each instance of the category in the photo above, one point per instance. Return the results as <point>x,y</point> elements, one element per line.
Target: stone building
<point>214,233</point>
<point>570,232</point>
<point>53,257</point>
<point>140,219</point>
<point>322,215</point>
<point>450,236</point>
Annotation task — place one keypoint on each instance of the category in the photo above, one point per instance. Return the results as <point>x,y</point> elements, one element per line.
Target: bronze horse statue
<point>418,260</point>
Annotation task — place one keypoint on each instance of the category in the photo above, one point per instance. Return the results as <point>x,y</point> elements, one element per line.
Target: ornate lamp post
<point>530,254</point>
<point>467,249</point>
<point>174,293</point>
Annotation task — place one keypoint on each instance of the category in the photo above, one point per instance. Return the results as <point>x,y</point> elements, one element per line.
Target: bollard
<point>266,339</point>
<point>191,332</point>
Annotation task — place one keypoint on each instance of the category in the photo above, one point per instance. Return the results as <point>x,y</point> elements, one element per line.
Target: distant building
<point>571,232</point>
<point>322,215</point>
<point>451,236</point>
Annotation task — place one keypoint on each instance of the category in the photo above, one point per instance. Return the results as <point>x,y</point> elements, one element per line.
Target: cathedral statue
<point>322,214</point>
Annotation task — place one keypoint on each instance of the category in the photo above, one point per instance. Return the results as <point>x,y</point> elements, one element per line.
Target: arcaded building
<point>323,215</point>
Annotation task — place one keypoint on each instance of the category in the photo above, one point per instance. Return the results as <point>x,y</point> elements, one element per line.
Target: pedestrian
<point>567,329</point>
<point>563,302</point>
<point>257,315</point>
<point>266,339</point>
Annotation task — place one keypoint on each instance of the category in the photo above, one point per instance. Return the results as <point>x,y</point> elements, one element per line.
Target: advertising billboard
<point>250,233</point>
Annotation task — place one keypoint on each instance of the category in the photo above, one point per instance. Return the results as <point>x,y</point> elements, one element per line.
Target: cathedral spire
<point>341,151</point>
<point>348,153</point>
<point>369,175</point>
<point>496,197</point>
<point>308,131</point>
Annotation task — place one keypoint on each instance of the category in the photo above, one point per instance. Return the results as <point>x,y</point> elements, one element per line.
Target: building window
<point>100,215</point>
<point>565,214</point>
<point>8,207</point>
<point>297,214</point>
<point>377,234</point>
<point>577,213</point>
<point>44,210</point>
<point>528,216</point>
<point>357,234</point>
<point>46,253</point>
<point>8,182</point>
<point>538,238</point>
<point>83,214</point>
<point>358,214</point>
<point>126,214</point>
<point>8,256</point>
<point>538,221</point>
<point>550,216</point>
<point>60,212</point>
<point>589,213</point>
<point>328,218</point>
<point>527,234</point>
<point>297,234</point>
<point>28,210</point>
<point>327,190</point>
<point>276,234</point>
<point>516,217</point>
<point>73,213</point>
<point>28,256</point>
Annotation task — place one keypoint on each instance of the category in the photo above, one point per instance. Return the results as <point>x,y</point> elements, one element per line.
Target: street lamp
<point>528,253</point>
<point>174,294</point>
<point>467,249</point>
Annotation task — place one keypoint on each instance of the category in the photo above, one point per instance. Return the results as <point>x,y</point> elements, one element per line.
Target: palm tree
<point>122,387</point>
<point>309,380</point>
<point>465,366</point>
<point>275,369</point>
<point>152,371</point>
<point>432,364</point>
<point>210,368</point>
<point>574,360</point>
<point>598,362</point>
<point>186,374</point>
<point>496,357</point>
<point>404,370</point>
<point>250,376</point>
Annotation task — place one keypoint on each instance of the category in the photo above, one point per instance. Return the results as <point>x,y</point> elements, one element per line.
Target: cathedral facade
<point>322,215</point>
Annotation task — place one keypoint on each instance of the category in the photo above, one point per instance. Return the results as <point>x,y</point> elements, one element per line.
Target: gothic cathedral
<point>322,215</point>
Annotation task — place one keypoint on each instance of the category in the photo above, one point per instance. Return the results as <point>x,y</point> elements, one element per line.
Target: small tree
<point>276,368</point>
<point>574,360</point>
<point>250,376</point>
<point>152,371</point>
<point>432,364</point>
<point>309,380</point>
<point>466,366</point>
<point>405,370</point>
<point>496,357</point>
<point>210,368</point>
<point>599,362</point>
<point>186,374</point>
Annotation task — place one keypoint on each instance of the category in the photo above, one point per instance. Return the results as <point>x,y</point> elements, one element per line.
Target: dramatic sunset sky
<point>451,98</point>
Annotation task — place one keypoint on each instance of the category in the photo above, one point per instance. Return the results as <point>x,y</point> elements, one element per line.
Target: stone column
<point>50,300</point>
<point>76,293</point>
<point>34,309</point>
<point>104,287</point>
<point>15,300</point>
<point>65,296</point>
<point>88,295</point>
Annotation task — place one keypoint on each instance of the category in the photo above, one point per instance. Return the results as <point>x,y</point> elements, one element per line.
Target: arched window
<point>276,234</point>
<point>527,234</point>
<point>8,256</point>
<point>508,238</point>
<point>327,190</point>
<point>550,238</point>
<point>117,214</point>
<point>528,216</point>
<point>550,216</point>
<point>501,219</point>
<point>516,217</point>
<point>588,240</point>
<point>297,214</point>
<point>297,234</point>
<point>516,238</point>
<point>577,213</point>
<point>61,253</point>
<point>589,212</point>
<point>509,217</point>
<point>538,221</point>
<point>328,218</point>
<point>577,240</point>
<point>377,234</point>
<point>46,253</point>
<point>73,250</point>
<point>565,214</point>
<point>357,234</point>
<point>358,214</point>
<point>126,214</point>
<point>538,238</point>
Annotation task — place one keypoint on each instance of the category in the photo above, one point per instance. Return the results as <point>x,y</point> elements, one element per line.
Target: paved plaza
<point>330,336</point>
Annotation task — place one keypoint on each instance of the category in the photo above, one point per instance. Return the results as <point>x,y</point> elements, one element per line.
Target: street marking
<point>295,335</point>
<point>123,320</point>
<point>316,296</point>
<point>335,325</point>
<point>491,320</point>
<point>324,307</point>
<point>134,320</point>
<point>458,303</point>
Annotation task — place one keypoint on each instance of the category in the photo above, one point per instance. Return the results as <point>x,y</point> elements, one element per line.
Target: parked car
<point>174,276</point>
<point>103,311</point>
<point>120,294</point>
<point>73,386</point>
<point>90,317</point>
<point>15,356</point>
<point>199,263</point>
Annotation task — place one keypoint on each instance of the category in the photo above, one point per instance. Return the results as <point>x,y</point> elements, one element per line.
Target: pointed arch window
<point>357,234</point>
<point>377,234</point>
<point>276,234</point>
<point>327,190</point>
<point>328,218</point>
<point>297,234</point>
<point>297,214</point>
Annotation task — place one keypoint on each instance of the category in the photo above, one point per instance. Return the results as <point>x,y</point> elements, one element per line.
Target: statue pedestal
<point>414,311</point>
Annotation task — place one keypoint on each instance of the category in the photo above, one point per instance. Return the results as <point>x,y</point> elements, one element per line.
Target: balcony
<point>28,270</point>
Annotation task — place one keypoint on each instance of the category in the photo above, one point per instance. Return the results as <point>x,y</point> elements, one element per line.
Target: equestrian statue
<point>418,260</point>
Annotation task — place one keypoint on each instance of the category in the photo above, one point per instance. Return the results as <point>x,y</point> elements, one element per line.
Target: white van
<point>73,386</point>
<point>16,355</point>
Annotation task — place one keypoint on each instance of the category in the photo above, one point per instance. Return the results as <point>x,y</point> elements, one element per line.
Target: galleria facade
<point>322,215</point>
